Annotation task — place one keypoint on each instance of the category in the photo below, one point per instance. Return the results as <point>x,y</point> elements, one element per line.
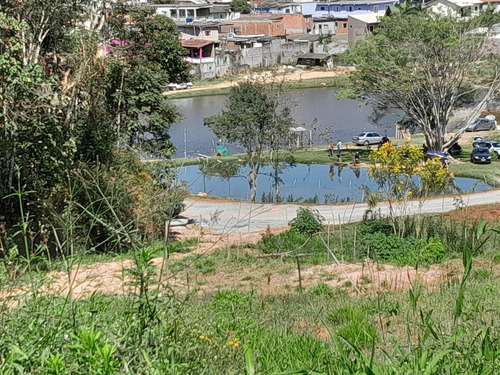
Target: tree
<point>241,6</point>
<point>394,170</point>
<point>256,118</point>
<point>147,58</point>
<point>424,65</point>
<point>52,121</point>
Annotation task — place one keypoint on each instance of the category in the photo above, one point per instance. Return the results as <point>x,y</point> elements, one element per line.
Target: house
<point>257,25</point>
<point>194,10</point>
<point>278,7</point>
<point>200,29</point>
<point>321,9</point>
<point>361,25</point>
<point>277,25</point>
<point>329,25</point>
<point>324,26</point>
<point>456,8</point>
<point>200,50</point>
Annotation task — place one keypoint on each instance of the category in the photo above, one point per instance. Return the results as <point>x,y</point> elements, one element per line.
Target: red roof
<point>196,43</point>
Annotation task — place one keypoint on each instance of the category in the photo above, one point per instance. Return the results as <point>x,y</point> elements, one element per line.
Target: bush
<point>433,251</point>
<point>374,226</point>
<point>391,248</point>
<point>307,222</point>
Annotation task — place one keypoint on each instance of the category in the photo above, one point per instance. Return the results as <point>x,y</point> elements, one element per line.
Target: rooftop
<point>367,18</point>
<point>196,43</point>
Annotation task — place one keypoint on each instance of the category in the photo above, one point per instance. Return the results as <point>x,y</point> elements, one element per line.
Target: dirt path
<point>280,75</point>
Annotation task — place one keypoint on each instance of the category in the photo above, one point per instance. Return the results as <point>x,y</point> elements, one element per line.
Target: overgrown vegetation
<point>75,117</point>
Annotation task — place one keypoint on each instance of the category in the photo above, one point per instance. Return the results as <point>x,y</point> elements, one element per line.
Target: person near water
<point>339,148</point>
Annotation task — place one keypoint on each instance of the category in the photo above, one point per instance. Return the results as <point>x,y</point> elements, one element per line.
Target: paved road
<point>244,217</point>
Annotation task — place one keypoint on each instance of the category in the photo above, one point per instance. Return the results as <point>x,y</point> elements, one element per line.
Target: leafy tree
<point>35,148</point>
<point>241,6</point>
<point>146,60</point>
<point>257,119</point>
<point>51,122</point>
<point>423,65</point>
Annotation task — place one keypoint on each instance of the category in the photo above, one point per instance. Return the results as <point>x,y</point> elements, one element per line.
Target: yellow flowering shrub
<point>395,170</point>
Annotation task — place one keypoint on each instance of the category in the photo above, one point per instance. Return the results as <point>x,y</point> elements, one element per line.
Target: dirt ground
<point>263,277</point>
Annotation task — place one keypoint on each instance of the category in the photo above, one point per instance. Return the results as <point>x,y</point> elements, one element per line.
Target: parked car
<point>492,146</point>
<point>482,124</point>
<point>480,155</point>
<point>180,86</point>
<point>368,138</point>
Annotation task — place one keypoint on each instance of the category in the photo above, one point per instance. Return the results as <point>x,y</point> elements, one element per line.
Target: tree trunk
<point>252,180</point>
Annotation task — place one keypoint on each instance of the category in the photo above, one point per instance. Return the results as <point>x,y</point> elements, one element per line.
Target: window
<point>371,28</point>
<point>375,9</point>
<point>182,12</point>
<point>325,27</point>
<point>344,25</point>
<point>173,13</point>
<point>349,8</point>
<point>208,33</point>
<point>336,8</point>
<point>359,8</point>
<point>321,8</point>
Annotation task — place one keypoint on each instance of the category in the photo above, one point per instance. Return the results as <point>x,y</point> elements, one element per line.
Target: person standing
<point>339,148</point>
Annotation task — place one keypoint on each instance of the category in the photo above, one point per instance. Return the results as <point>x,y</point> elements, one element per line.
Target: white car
<point>179,86</point>
<point>367,138</point>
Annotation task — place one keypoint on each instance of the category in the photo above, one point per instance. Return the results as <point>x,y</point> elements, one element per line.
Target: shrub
<point>433,251</point>
<point>373,226</point>
<point>391,248</point>
<point>307,222</point>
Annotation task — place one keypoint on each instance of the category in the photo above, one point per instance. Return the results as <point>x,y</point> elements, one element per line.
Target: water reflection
<point>297,183</point>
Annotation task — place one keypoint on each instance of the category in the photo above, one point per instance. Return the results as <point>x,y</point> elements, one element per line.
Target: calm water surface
<point>345,117</point>
<point>326,183</point>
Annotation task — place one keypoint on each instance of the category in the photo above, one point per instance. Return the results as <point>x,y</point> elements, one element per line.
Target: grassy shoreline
<point>326,82</point>
<point>489,173</point>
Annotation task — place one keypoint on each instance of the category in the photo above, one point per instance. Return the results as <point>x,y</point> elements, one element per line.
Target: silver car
<point>482,124</point>
<point>367,138</point>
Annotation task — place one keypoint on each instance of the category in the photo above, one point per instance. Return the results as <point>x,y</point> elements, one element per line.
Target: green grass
<point>287,333</point>
<point>316,330</point>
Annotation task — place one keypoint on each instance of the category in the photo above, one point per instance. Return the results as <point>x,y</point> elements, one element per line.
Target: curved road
<point>244,217</point>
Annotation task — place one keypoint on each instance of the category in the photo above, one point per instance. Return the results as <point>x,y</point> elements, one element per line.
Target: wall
<point>342,26</point>
<point>276,52</point>
<point>357,30</point>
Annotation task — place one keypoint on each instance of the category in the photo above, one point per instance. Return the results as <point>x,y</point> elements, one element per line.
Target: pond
<point>312,183</point>
<point>342,118</point>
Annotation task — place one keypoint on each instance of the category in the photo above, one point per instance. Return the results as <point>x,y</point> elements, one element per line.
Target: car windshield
<point>482,151</point>
<point>362,135</point>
